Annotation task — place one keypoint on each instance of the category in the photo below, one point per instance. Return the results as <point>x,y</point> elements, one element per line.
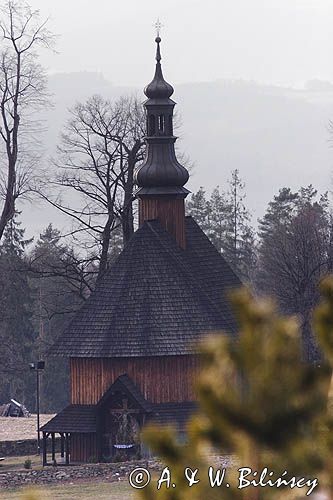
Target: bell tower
<point>161,178</point>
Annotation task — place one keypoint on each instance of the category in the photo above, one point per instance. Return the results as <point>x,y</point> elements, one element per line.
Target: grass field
<point>13,463</point>
<point>97,490</point>
<point>84,491</point>
<point>12,429</point>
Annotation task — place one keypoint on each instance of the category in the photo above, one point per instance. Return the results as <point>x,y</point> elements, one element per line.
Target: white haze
<point>274,135</point>
<point>271,41</point>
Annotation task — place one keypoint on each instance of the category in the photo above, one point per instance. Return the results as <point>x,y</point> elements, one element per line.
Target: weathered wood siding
<point>160,379</point>
<point>83,447</point>
<point>169,211</point>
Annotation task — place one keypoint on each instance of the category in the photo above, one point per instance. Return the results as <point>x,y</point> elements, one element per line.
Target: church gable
<point>124,387</point>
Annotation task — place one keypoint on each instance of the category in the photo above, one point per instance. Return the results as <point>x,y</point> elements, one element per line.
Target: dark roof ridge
<point>194,222</point>
<point>225,271</point>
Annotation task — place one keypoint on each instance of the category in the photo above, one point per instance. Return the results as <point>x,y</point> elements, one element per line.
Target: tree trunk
<point>103,263</point>
<point>127,219</point>
<point>8,210</point>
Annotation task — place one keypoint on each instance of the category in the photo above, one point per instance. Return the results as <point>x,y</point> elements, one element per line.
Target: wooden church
<point>132,346</point>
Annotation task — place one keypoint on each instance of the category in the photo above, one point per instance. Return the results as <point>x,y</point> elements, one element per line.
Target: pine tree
<point>198,207</point>
<point>17,332</point>
<point>279,213</point>
<point>14,242</point>
<point>239,248</point>
<point>219,219</point>
<point>55,302</point>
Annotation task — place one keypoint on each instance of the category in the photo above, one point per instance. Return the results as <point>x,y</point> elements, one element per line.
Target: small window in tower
<point>170,125</point>
<point>161,123</point>
<point>152,128</point>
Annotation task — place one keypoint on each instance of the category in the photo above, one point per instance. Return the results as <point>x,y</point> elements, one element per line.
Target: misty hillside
<point>274,136</point>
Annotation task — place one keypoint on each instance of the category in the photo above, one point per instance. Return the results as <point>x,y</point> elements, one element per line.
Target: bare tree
<point>22,95</point>
<point>295,252</point>
<point>100,146</point>
<point>132,145</point>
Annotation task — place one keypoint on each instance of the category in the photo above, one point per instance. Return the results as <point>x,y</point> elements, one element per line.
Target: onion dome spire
<point>158,88</point>
<point>160,172</point>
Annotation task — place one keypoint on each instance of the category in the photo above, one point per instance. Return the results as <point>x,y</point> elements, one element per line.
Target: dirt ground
<point>12,428</point>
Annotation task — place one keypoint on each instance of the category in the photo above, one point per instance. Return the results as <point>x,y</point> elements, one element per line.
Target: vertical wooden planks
<point>83,447</point>
<point>169,211</point>
<point>160,378</point>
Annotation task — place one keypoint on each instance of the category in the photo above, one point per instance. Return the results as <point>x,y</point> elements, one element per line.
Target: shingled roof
<point>157,299</point>
<point>175,414</point>
<point>73,418</point>
<point>82,418</point>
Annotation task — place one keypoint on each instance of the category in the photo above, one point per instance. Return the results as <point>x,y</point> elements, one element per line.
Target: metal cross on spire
<point>158,27</point>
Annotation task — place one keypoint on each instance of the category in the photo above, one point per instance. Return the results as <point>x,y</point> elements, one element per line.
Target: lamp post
<point>37,367</point>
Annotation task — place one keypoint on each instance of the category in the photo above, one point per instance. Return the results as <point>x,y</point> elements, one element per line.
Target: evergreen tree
<point>279,213</point>
<point>219,209</point>
<point>55,302</point>
<point>295,252</point>
<point>239,249</point>
<point>17,332</point>
<point>198,207</point>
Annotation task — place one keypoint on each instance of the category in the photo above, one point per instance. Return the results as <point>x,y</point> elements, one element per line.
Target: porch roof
<point>73,418</point>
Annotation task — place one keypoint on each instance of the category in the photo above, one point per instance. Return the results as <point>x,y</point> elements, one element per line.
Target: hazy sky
<point>274,41</point>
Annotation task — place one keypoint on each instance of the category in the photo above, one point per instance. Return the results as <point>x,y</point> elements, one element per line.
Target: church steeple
<point>161,178</point>
<point>158,88</point>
